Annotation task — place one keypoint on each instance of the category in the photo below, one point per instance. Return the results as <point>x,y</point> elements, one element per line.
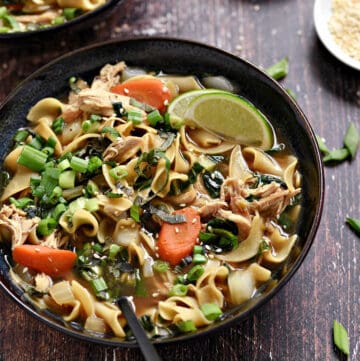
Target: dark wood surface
<point>296,324</point>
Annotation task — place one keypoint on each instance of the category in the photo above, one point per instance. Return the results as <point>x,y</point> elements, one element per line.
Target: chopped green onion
<point>97,247</point>
<point>118,172</point>
<point>91,188</point>
<point>351,140</point>
<point>58,20</point>
<point>135,213</point>
<point>161,266</point>
<point>175,121</point>
<point>67,179</point>
<point>113,133</point>
<point>354,224</point>
<point>341,338</point>
<point>58,125</point>
<point>114,249</point>
<point>55,195</point>
<point>32,158</point>
<point>21,136</point>
<point>198,249</point>
<point>48,150</point>
<point>186,326</point>
<point>90,127</point>
<point>336,155</point>
<point>155,117</point>
<point>199,259</point>
<point>95,118</point>
<point>78,164</point>
<point>279,70</point>
<point>322,145</point>
<point>195,273</point>
<point>135,117</point>
<point>64,164</point>
<point>58,211</point>
<point>21,202</point>
<point>37,142</point>
<point>94,164</point>
<point>71,13</point>
<point>179,290</point>
<point>98,285</point>
<point>46,226</point>
<point>92,205</point>
<point>211,311</point>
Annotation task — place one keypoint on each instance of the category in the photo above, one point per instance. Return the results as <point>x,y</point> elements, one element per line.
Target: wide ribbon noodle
<point>108,196</point>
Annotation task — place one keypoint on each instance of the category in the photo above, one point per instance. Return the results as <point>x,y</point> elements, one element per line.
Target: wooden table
<point>297,323</point>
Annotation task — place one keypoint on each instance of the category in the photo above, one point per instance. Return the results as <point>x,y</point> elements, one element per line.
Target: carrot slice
<point>177,241</point>
<point>51,261</point>
<point>151,91</point>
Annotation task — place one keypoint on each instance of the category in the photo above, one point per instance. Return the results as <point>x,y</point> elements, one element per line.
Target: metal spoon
<point>147,348</point>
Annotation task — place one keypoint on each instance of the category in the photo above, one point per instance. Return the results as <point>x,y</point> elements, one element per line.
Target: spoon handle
<point>148,350</point>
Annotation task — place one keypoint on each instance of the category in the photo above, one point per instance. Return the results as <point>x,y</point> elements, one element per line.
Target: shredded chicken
<point>109,76</point>
<point>122,149</point>
<point>233,191</point>
<point>210,209</point>
<point>15,226</point>
<point>273,204</point>
<point>43,18</point>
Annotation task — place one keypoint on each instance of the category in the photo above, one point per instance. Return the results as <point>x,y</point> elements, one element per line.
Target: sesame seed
<point>155,294</point>
<point>193,221</point>
<point>166,102</point>
<point>50,259</point>
<point>177,230</point>
<point>165,89</point>
<point>126,91</point>
<point>37,249</point>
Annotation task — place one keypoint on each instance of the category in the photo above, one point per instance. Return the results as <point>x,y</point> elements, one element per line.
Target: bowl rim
<point>281,283</point>
<point>54,28</point>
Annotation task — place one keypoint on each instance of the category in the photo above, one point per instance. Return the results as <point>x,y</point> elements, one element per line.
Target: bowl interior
<point>180,57</point>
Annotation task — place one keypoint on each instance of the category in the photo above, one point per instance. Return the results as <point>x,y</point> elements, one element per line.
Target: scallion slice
<point>135,117</point>
<point>67,179</point>
<point>179,290</point>
<point>186,326</point>
<point>32,158</point>
<point>211,311</point>
<point>78,164</point>
<point>155,117</point>
<point>341,338</point>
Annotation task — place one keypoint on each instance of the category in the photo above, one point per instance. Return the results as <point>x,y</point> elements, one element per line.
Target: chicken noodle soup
<point>27,15</point>
<point>111,194</point>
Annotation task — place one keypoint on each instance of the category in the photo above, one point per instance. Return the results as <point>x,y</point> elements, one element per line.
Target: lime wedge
<point>181,103</point>
<point>230,117</point>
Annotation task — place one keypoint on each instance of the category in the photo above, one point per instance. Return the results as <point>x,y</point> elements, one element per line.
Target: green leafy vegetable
<point>351,140</point>
<point>212,182</point>
<point>354,224</point>
<point>341,338</point>
<point>336,155</point>
<point>279,70</point>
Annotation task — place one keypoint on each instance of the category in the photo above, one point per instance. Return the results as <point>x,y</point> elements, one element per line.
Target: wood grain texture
<point>296,324</point>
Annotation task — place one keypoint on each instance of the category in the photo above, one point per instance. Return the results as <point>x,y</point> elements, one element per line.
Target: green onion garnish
<point>211,311</point>
<point>98,285</point>
<point>58,125</point>
<point>160,266</point>
<point>135,117</point>
<point>118,172</point>
<point>46,226</point>
<point>94,164</point>
<point>71,13</point>
<point>78,164</point>
<point>199,259</point>
<point>67,179</point>
<point>279,70</point>
<point>21,202</point>
<point>21,136</point>
<point>195,273</point>
<point>341,338</point>
<point>32,158</point>
<point>135,213</point>
<point>186,326</point>
<point>155,117</point>
<point>179,290</point>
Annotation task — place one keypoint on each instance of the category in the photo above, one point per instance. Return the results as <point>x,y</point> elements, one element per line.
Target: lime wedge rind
<point>231,117</point>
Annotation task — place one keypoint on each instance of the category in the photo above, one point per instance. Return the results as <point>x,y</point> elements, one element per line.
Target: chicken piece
<point>274,204</point>
<point>100,101</point>
<point>43,282</point>
<point>233,192</point>
<point>109,76</point>
<point>15,226</point>
<point>212,208</point>
<point>123,149</point>
<point>43,18</point>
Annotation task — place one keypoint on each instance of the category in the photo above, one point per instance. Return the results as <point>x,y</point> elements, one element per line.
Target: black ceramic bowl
<point>186,57</point>
<point>81,21</point>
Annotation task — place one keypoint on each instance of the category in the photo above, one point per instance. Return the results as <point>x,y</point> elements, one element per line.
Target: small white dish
<point>322,13</point>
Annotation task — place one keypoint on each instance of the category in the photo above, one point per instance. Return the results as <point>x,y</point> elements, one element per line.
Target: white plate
<point>322,13</point>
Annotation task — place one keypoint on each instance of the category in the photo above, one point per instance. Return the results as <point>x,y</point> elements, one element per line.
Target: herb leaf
<point>322,146</point>
<point>341,338</point>
<point>351,140</point>
<point>354,224</point>
<point>279,70</point>
<point>336,155</point>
